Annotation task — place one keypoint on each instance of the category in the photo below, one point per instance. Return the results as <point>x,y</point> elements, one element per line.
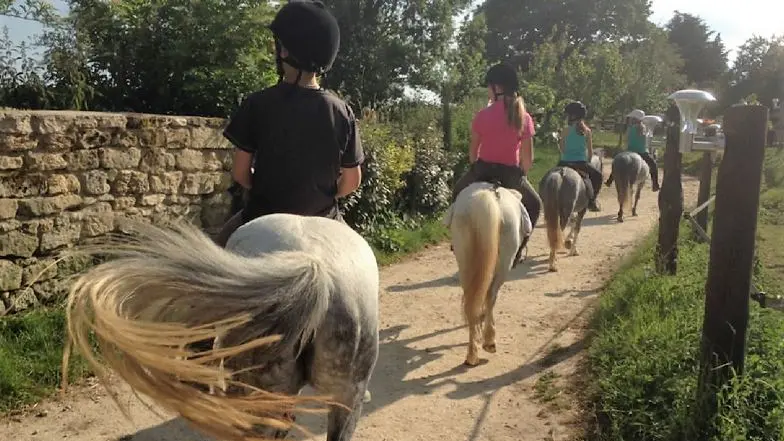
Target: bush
<point>406,177</point>
<point>644,358</point>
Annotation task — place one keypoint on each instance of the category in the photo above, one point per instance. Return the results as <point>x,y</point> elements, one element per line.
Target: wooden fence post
<point>706,174</point>
<point>670,197</point>
<point>730,270</point>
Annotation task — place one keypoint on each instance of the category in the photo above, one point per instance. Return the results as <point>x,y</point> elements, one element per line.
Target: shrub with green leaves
<point>387,159</point>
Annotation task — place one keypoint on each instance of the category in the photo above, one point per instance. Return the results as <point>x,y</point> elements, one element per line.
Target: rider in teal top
<point>577,149</point>
<point>636,142</point>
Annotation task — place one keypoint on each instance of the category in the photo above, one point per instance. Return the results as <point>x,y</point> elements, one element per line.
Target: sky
<point>735,20</point>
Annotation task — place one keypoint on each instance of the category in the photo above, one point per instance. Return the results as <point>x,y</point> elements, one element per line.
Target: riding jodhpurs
<point>653,169</point>
<point>594,175</point>
<point>508,177</point>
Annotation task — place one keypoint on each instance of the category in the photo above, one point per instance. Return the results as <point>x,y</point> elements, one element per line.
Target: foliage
<point>758,70</point>
<point>644,358</point>
<point>467,62</point>
<point>389,44</point>
<point>516,29</point>
<point>701,49</point>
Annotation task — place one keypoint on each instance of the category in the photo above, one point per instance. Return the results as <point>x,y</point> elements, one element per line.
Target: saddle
<point>583,174</point>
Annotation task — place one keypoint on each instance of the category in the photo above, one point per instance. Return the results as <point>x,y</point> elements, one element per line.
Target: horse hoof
<point>472,361</point>
<point>490,348</point>
<point>620,219</point>
<point>574,253</point>
<point>634,214</point>
<point>568,244</point>
<point>553,269</point>
<point>367,397</point>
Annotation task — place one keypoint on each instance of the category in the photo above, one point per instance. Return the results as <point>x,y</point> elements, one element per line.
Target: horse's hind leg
<point>576,232</point>
<point>342,422</point>
<point>342,370</point>
<point>551,261</point>
<point>637,199</point>
<point>474,333</point>
<point>489,327</point>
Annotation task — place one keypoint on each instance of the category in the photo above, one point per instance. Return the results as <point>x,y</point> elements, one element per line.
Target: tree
<point>167,56</point>
<point>703,52</point>
<point>516,29</point>
<point>389,44</point>
<point>35,10</point>
<point>758,69</point>
<point>466,61</point>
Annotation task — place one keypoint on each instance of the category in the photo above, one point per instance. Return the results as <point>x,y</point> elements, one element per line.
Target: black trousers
<point>506,175</point>
<point>652,168</point>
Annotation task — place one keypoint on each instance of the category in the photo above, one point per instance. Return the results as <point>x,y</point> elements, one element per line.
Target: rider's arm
<point>527,144</point>
<point>351,160</point>
<point>562,139</point>
<point>589,144</point>
<point>349,180</point>
<point>240,170</point>
<point>473,150</point>
<point>241,131</point>
<point>527,154</point>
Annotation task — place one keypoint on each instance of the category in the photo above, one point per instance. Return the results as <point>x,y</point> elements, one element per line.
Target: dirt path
<point>420,390</point>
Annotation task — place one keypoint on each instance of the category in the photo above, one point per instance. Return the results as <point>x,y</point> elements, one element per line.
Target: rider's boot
<point>519,256</point>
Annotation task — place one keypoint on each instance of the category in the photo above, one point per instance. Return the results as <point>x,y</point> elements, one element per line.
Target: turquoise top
<point>635,140</point>
<point>575,146</point>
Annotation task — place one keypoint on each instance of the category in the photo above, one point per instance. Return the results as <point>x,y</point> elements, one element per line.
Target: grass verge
<point>643,359</point>
<point>31,350</point>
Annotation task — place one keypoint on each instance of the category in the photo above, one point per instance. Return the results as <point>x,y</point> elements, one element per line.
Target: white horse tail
<point>480,257</point>
<point>166,289</point>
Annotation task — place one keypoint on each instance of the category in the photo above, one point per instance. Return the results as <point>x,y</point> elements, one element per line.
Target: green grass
<point>391,245</point>
<point>643,358</point>
<point>31,349</point>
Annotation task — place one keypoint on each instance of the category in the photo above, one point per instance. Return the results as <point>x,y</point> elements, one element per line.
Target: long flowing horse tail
<point>166,289</point>
<point>553,216</point>
<point>624,182</point>
<point>480,257</point>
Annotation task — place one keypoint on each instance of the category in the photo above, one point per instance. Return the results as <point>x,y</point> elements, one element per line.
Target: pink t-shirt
<point>498,141</point>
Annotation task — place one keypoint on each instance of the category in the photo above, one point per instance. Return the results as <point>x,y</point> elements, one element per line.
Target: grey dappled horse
<point>312,281</point>
<point>564,192</point>
<point>629,170</point>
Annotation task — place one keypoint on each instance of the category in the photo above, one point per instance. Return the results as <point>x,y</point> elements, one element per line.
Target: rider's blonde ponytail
<point>515,111</point>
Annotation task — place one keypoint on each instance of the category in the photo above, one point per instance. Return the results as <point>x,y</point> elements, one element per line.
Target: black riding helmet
<point>575,110</point>
<point>309,33</point>
<point>504,75</point>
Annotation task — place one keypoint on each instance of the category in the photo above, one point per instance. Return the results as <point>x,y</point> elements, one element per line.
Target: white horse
<point>488,224</point>
<point>291,301</point>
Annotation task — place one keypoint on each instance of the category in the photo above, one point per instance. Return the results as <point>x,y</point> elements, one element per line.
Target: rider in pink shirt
<point>497,136</point>
<point>502,142</point>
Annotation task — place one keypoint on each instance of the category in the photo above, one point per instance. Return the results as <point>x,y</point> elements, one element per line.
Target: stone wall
<point>66,177</point>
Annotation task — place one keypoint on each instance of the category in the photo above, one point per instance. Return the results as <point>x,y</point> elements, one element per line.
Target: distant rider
<point>576,146</point>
